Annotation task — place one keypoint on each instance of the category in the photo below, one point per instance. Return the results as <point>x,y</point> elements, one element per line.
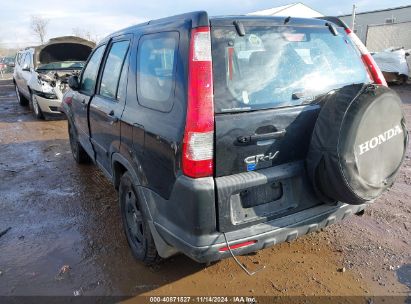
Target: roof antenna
<point>238,262</point>
<point>287,20</point>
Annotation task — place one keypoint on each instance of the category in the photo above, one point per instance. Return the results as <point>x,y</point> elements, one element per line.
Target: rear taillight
<point>373,70</point>
<point>68,100</point>
<point>198,143</point>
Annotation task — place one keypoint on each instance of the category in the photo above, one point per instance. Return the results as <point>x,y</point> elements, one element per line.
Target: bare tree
<point>85,34</point>
<point>39,26</point>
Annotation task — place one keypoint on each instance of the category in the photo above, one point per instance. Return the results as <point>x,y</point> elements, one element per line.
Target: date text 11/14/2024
<point>203,299</point>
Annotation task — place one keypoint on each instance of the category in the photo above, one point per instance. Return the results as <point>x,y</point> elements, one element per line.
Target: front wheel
<point>135,223</point>
<point>79,154</point>
<point>36,107</point>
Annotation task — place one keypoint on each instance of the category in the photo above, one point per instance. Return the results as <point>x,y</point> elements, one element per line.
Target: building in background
<point>294,10</point>
<point>379,30</point>
<point>383,29</point>
<point>382,22</point>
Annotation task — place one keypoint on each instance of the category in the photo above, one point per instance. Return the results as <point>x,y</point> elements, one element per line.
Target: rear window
<point>273,67</point>
<point>157,69</point>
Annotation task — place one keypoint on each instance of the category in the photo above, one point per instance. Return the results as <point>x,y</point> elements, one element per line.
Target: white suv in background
<point>41,73</point>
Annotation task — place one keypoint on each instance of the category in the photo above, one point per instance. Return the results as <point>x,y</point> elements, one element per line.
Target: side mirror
<point>26,68</point>
<point>73,83</point>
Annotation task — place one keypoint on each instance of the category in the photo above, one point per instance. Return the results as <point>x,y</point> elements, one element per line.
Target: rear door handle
<point>266,136</point>
<point>252,139</point>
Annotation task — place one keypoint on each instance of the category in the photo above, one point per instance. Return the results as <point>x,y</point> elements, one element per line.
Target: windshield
<point>65,65</point>
<point>273,67</point>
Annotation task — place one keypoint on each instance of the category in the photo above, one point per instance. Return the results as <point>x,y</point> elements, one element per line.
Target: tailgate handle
<point>252,139</point>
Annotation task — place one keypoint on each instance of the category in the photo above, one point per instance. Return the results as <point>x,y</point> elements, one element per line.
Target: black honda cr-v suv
<point>231,134</point>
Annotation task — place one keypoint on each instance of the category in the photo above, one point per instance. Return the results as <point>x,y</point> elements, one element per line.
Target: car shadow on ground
<point>61,213</point>
<point>11,111</point>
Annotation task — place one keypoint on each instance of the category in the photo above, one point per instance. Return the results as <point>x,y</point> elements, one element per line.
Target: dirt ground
<point>66,236</point>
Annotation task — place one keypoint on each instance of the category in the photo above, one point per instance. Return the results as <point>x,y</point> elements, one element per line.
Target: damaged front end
<point>54,84</point>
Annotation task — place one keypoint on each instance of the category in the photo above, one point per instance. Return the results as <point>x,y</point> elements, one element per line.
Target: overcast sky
<point>105,16</point>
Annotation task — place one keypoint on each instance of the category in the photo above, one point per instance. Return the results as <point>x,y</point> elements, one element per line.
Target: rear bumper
<point>264,235</point>
<point>187,222</point>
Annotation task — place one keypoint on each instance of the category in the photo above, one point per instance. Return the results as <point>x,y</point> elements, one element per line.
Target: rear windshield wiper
<point>286,20</point>
<point>331,28</point>
<point>239,28</point>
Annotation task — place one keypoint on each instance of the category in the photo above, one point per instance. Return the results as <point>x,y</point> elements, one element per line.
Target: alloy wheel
<point>134,219</point>
<point>35,105</point>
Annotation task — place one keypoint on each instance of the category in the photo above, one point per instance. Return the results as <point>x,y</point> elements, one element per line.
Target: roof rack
<point>199,18</point>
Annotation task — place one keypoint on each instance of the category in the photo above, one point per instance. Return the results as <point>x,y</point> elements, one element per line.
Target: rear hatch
<point>270,80</point>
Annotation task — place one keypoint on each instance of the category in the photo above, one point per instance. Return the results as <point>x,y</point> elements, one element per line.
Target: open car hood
<point>60,49</point>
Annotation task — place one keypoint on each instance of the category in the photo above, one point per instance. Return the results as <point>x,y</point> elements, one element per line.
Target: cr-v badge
<point>252,161</point>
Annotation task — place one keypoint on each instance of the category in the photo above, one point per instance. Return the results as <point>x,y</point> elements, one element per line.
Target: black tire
<point>20,98</point>
<point>35,107</point>
<point>79,154</point>
<point>135,223</point>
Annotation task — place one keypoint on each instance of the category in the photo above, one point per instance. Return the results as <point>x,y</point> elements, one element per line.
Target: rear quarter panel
<point>151,139</point>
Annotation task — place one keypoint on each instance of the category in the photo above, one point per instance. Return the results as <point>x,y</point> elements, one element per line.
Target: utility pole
<point>353,17</point>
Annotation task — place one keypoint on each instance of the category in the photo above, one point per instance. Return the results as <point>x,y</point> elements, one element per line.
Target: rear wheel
<point>79,154</point>
<point>135,223</point>
<point>20,98</point>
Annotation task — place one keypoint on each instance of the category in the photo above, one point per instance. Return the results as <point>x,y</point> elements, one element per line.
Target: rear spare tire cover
<point>358,144</point>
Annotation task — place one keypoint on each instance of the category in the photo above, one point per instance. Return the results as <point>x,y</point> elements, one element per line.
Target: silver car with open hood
<point>41,73</point>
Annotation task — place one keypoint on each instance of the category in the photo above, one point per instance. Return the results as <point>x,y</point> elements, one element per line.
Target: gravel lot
<point>66,236</point>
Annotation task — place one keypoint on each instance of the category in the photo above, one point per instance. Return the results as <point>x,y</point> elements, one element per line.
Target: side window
<point>157,70</point>
<point>122,84</point>
<point>28,60</point>
<point>112,69</point>
<point>89,77</point>
<point>19,61</point>
<point>24,59</point>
